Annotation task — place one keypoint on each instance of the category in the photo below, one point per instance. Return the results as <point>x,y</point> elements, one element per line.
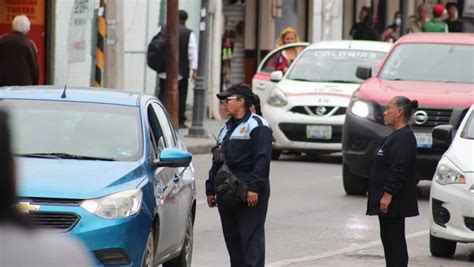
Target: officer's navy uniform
<point>393,172</point>
<point>247,147</point>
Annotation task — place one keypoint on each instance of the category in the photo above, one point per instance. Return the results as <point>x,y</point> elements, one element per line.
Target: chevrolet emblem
<point>26,207</point>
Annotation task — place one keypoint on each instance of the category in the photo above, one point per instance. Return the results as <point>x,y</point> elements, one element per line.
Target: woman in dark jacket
<point>392,182</point>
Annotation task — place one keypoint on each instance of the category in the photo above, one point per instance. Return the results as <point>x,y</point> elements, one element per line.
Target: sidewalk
<point>198,145</point>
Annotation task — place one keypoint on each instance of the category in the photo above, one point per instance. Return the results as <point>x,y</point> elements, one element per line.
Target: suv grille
<point>319,110</point>
<point>432,117</point>
<point>54,220</point>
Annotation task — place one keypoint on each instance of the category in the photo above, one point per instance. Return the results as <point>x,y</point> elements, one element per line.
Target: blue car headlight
<point>118,205</point>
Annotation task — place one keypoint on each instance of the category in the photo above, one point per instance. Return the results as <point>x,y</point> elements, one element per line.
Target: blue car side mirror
<point>173,158</point>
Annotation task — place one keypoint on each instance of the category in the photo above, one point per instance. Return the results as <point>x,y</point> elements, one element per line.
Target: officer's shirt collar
<point>233,122</point>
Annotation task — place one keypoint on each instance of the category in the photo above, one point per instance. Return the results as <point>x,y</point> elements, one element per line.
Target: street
<point>312,222</point>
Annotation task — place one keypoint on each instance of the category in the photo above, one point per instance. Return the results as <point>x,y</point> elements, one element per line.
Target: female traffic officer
<point>392,182</point>
<point>246,140</point>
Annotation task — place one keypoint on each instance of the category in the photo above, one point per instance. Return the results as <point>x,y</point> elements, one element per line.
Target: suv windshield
<point>333,65</point>
<point>430,62</point>
<point>468,131</point>
<point>75,130</point>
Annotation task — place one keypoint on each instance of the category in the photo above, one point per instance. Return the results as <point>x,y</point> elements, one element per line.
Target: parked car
<point>452,192</point>
<point>262,85</point>
<point>436,69</point>
<point>307,107</point>
<point>106,167</point>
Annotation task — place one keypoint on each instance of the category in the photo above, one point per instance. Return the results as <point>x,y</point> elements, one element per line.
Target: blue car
<point>107,167</point>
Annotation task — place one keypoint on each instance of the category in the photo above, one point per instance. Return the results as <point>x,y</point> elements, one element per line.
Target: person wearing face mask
<point>392,181</point>
<point>397,19</point>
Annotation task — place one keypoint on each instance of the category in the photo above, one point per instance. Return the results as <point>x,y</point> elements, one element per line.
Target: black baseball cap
<point>237,89</point>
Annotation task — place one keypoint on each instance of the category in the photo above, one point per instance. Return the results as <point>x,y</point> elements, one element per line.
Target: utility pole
<point>404,13</point>
<point>172,56</point>
<point>199,106</point>
<point>113,77</point>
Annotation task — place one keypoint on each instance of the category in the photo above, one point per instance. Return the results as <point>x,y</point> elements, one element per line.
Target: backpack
<point>156,53</point>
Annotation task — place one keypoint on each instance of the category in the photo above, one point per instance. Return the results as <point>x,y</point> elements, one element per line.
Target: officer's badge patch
<point>242,130</point>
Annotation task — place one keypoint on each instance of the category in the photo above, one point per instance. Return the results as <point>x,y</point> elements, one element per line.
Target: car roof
<point>73,94</point>
<point>351,44</point>
<point>439,38</point>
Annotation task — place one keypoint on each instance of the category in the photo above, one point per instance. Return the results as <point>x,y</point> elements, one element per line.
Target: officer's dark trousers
<point>244,234</point>
<point>183,94</point>
<point>392,232</point>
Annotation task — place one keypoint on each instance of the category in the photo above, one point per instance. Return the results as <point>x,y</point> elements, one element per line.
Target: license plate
<point>318,132</point>
<point>424,140</point>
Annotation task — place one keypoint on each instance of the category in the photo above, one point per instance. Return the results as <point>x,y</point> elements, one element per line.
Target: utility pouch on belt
<point>230,190</point>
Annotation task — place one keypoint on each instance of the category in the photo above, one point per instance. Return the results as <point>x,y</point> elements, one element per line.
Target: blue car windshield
<point>78,130</point>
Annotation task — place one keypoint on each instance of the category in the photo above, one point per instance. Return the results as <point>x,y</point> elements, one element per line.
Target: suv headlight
<point>361,108</point>
<point>277,98</point>
<point>364,109</point>
<point>448,173</point>
<point>118,205</point>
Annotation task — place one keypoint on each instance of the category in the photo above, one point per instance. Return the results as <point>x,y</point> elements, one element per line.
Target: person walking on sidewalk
<point>243,152</point>
<point>392,182</point>
<point>188,61</point>
<point>18,63</point>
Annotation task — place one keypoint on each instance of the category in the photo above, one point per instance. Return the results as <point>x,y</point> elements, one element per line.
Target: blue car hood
<point>76,179</point>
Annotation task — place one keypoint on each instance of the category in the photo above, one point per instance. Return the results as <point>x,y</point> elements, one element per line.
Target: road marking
<point>337,252</point>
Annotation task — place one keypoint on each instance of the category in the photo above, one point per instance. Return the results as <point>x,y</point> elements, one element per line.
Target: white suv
<point>452,192</point>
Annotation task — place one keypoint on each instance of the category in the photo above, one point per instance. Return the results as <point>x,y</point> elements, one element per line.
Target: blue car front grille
<point>51,201</point>
<point>61,221</point>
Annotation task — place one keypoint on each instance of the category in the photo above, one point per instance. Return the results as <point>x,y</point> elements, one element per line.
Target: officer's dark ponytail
<point>256,104</point>
<point>408,106</point>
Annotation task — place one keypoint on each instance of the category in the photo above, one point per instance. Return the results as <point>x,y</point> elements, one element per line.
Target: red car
<point>436,69</point>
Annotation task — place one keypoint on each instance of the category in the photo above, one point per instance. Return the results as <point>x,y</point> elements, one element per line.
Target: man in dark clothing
<point>18,65</point>
<point>364,12</point>
<point>187,62</point>
<point>454,23</point>
<point>392,181</point>
<point>246,141</point>
<point>367,31</point>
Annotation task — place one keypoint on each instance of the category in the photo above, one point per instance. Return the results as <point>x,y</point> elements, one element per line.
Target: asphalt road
<point>312,222</point>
